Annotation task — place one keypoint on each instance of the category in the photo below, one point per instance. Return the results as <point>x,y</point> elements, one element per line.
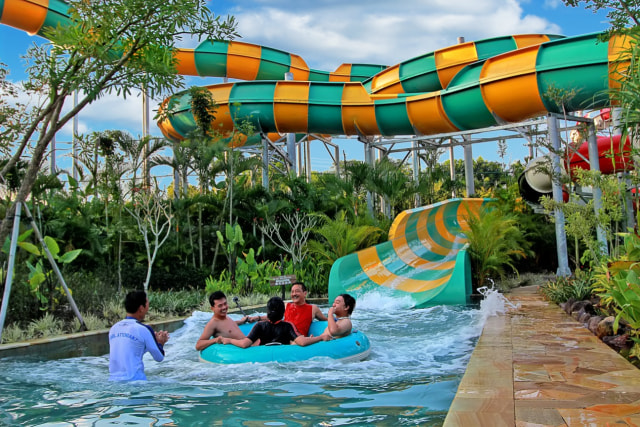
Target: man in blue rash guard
<point>129,339</point>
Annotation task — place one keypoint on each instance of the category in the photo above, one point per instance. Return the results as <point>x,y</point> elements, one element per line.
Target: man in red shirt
<point>298,312</point>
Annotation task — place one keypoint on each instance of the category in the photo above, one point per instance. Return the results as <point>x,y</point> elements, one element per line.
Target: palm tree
<point>392,183</point>
<point>495,243</point>
<point>358,174</point>
<point>337,238</point>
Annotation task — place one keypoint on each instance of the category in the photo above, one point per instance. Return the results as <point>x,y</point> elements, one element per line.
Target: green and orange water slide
<point>462,87</point>
<point>425,258</point>
<point>506,88</point>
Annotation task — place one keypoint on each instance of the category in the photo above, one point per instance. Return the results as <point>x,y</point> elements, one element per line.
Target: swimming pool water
<point>418,357</point>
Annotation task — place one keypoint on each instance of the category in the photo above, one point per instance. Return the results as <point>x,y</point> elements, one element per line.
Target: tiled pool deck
<point>537,366</point>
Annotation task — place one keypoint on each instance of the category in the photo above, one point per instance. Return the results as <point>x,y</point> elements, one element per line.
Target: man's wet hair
<point>216,295</point>
<point>134,300</point>
<point>275,309</point>
<point>349,301</point>
<point>304,288</point>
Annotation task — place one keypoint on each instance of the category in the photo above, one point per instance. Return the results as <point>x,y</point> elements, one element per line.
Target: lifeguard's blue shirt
<point>129,339</point>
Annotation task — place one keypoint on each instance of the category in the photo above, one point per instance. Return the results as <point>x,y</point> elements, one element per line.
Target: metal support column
<point>416,170</point>
<point>145,134</point>
<point>452,169</point>
<point>561,236</point>
<point>52,159</point>
<point>74,140</point>
<point>265,162</point>
<point>368,158</point>
<point>594,164</point>
<point>10,266</point>
<point>468,168</point>
<point>307,162</point>
<point>291,139</point>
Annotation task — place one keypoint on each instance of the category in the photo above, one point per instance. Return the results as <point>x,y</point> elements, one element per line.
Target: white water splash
<point>494,303</point>
<point>383,302</point>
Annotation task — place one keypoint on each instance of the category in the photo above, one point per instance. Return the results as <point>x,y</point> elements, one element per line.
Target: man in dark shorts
<point>274,330</point>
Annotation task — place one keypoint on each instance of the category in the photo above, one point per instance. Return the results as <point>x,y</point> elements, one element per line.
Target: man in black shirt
<point>274,330</point>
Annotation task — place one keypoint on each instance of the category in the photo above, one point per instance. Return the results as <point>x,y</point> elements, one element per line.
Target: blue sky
<point>327,33</point>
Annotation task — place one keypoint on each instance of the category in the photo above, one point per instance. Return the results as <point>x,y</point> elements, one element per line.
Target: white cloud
<point>326,33</point>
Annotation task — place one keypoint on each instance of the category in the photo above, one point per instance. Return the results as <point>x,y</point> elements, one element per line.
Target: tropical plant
<point>337,237</point>
<point>578,287</point>
<point>41,279</point>
<point>495,243</point>
<point>623,290</point>
<point>391,182</point>
<point>582,222</point>
<point>108,46</point>
<point>45,326</point>
<point>618,286</point>
<point>232,242</point>
<point>91,322</point>
<point>12,333</point>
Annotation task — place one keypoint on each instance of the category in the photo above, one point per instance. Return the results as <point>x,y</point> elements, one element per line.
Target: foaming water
<point>417,359</point>
<point>494,302</point>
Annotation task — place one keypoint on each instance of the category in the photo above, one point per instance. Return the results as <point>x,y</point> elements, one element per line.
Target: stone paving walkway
<point>537,366</point>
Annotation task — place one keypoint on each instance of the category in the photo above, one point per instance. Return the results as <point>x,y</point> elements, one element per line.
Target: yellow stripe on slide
<point>427,115</point>
<point>453,58</point>
<point>291,106</point>
<point>406,254</point>
<point>358,111</point>
<point>379,274</point>
<point>509,84</point>
<point>186,62</point>
<point>243,60</point>
<point>221,93</point>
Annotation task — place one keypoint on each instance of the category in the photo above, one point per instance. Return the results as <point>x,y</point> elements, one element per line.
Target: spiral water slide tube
<point>424,260</point>
<point>466,86</point>
<point>614,155</point>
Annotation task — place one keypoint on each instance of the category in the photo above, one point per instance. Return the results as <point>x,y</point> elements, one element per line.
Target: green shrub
<point>176,303</point>
<point>113,310</point>
<point>578,287</point>
<point>91,321</point>
<point>495,243</point>
<point>12,333</point>
<point>44,327</point>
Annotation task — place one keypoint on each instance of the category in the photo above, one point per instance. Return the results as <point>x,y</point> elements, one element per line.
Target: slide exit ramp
<point>424,259</point>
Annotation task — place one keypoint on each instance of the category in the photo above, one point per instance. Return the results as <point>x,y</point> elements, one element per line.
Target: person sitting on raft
<point>339,323</point>
<point>220,326</point>
<point>275,330</point>
<point>298,311</point>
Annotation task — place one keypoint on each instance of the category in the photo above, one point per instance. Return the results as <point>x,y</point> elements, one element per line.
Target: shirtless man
<point>298,312</point>
<point>339,324</point>
<point>220,326</point>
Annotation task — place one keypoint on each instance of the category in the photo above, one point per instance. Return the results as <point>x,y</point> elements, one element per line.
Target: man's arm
<point>338,328</point>
<point>317,313</point>
<point>243,343</point>
<point>242,321</point>
<point>303,341</point>
<point>154,343</point>
<point>205,339</point>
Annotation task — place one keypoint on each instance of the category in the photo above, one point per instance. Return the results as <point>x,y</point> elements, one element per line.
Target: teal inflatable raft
<point>354,347</point>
